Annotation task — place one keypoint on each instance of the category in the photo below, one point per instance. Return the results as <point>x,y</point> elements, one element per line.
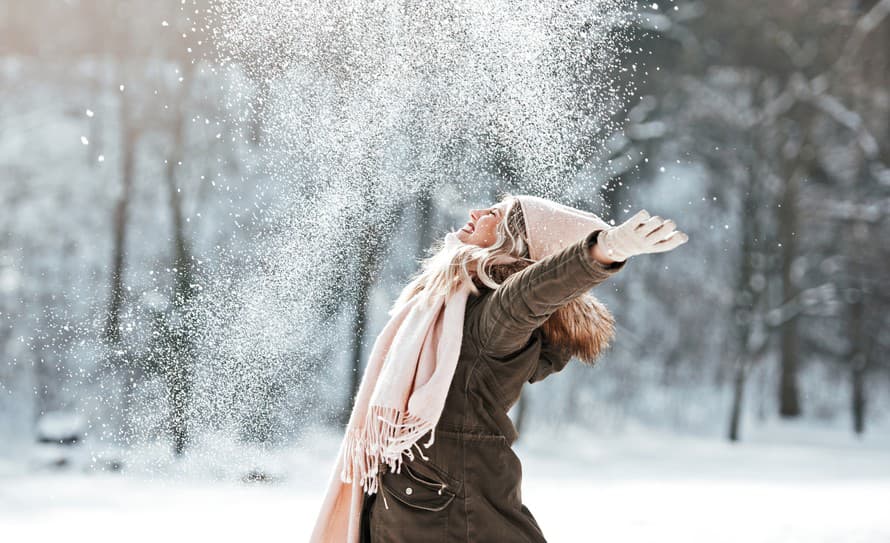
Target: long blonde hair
<point>453,263</point>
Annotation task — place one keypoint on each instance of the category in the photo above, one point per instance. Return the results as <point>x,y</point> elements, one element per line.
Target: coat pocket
<point>423,491</point>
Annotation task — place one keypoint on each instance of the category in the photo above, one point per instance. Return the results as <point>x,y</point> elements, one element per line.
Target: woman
<point>504,301</point>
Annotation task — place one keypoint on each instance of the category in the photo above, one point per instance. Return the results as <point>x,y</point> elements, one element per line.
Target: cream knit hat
<point>551,226</point>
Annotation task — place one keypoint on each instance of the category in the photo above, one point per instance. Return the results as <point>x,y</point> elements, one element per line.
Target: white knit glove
<point>639,235</point>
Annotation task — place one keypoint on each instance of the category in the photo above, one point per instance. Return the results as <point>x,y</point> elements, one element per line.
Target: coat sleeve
<point>553,359</point>
<point>522,303</point>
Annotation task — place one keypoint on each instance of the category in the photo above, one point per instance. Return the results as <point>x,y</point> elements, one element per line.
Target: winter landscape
<point>208,207</point>
<point>787,485</point>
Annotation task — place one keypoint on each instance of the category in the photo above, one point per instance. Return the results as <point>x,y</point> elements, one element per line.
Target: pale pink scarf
<point>400,399</point>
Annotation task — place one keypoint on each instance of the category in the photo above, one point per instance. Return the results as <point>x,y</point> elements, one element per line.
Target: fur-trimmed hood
<point>583,327</point>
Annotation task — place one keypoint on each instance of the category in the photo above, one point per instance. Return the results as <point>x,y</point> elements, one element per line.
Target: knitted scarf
<point>400,398</point>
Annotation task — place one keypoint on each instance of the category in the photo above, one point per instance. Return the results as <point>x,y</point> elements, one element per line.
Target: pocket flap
<point>417,491</point>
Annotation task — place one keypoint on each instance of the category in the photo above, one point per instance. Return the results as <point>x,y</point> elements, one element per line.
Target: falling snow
<point>367,106</point>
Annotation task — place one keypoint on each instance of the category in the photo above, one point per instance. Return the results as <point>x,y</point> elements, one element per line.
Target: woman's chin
<point>454,238</point>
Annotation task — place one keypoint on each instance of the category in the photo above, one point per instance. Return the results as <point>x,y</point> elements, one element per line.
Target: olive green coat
<point>469,489</point>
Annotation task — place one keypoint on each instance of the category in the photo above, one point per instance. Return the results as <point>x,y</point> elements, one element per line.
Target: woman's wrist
<point>597,251</point>
<point>599,255</point>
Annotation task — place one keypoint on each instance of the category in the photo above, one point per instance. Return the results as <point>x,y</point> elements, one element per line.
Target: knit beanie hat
<point>551,226</point>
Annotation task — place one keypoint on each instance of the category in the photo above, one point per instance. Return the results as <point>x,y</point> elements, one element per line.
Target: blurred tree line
<point>129,169</point>
<point>797,93</point>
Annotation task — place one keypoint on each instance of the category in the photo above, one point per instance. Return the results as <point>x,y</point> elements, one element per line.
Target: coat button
<point>409,491</point>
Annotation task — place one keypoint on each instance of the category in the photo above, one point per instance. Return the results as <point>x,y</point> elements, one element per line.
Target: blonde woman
<point>502,302</point>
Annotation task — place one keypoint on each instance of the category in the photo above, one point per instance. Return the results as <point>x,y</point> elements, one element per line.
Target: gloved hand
<point>639,235</point>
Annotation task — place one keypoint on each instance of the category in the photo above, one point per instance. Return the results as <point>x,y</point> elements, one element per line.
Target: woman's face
<point>481,228</point>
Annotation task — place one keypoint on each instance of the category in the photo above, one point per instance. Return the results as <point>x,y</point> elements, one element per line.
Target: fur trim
<point>585,327</point>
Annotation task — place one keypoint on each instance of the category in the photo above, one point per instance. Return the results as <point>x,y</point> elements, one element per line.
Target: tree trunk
<point>858,360</point>
<point>180,365</point>
<point>178,393</point>
<point>359,325</point>
<point>258,109</point>
<point>747,298</point>
<point>425,210</point>
<point>789,394</point>
<point>372,243</point>
<point>738,393</point>
<point>128,151</point>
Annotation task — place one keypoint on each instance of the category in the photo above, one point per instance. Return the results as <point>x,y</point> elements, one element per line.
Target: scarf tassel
<point>386,435</point>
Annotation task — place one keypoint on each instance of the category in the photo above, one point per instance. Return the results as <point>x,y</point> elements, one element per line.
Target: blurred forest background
<point>132,168</point>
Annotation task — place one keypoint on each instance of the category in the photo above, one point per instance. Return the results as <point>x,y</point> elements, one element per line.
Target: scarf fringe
<point>386,435</point>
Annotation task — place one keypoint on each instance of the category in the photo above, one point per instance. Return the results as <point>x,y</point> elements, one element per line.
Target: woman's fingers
<point>639,218</point>
<point>674,240</point>
<point>650,226</point>
<point>663,230</point>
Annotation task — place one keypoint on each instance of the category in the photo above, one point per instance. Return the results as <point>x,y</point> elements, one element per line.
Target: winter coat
<point>470,488</point>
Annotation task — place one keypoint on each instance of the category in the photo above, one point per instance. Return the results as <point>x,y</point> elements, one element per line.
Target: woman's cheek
<point>490,236</point>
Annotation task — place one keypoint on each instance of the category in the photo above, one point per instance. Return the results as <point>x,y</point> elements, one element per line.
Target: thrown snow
<point>364,106</point>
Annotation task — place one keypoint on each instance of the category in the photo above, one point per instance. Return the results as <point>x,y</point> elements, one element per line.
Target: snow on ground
<point>784,484</point>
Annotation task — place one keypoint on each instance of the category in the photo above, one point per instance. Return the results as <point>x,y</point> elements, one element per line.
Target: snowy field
<point>783,485</point>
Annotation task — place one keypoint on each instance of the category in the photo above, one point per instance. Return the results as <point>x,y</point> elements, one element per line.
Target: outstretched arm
<point>527,298</point>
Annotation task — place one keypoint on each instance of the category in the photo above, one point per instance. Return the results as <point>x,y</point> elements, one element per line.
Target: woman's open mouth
<point>468,228</point>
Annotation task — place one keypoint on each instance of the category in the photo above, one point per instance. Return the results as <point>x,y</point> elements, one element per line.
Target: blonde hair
<point>452,264</point>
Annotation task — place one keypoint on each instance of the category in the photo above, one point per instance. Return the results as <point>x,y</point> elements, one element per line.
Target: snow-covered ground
<point>783,484</point>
